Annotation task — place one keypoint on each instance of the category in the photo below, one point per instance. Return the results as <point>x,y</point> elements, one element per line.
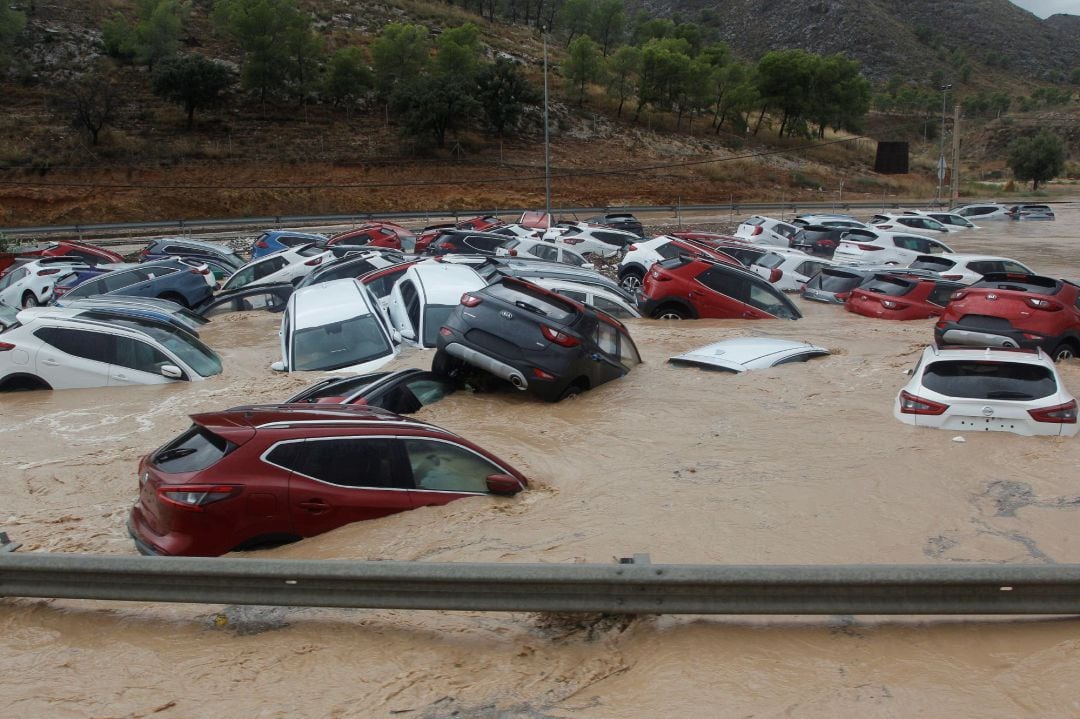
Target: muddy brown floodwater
<point>799,464</point>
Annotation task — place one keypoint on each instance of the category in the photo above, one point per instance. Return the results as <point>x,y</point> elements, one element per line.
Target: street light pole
<point>941,154</point>
<point>547,142</point>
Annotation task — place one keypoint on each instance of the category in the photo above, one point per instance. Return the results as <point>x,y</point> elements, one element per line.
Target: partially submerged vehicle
<point>402,392</point>
<point>742,354</point>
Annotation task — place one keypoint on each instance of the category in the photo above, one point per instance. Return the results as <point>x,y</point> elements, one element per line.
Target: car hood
<point>747,353</point>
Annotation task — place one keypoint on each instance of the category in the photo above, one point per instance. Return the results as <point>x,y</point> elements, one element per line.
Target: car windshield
<point>340,344</point>
<point>979,379</point>
<point>200,358</point>
<point>435,316</point>
<point>886,285</point>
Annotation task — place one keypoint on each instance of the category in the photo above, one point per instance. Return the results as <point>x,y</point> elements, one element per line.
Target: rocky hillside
<point>905,38</point>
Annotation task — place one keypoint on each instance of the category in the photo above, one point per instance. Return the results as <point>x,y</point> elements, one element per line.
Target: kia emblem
<point>507,314</point>
<point>991,296</point>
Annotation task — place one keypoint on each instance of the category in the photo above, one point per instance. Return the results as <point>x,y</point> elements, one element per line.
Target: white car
<point>829,221</point>
<point>542,250</point>
<point>796,268</point>
<point>513,231</point>
<point>968,269</point>
<point>987,390</point>
<point>982,211</point>
<point>598,297</point>
<point>423,298</point>
<point>588,239</point>
<point>918,223</point>
<point>950,219</point>
<point>291,265</point>
<point>335,326</point>
<point>888,248</point>
<point>643,254</point>
<point>741,354</point>
<point>31,284</point>
<point>58,348</point>
<point>766,231</point>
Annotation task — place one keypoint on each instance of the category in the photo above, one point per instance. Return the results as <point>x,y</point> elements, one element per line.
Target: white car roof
<point>327,302</point>
<point>442,283</point>
<point>745,353</point>
<point>961,258</point>
<point>933,354</point>
<point>554,282</point>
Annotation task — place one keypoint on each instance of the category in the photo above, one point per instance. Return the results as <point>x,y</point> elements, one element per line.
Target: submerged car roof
<point>443,282</point>
<point>740,354</point>
<point>283,415</point>
<point>334,301</point>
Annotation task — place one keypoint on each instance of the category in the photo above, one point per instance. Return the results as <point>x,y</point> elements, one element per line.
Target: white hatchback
<point>541,250</point>
<point>290,265</point>
<point>766,231</point>
<point>31,284</point>
<point>888,248</point>
<point>424,297</point>
<point>987,390</point>
<point>969,269</point>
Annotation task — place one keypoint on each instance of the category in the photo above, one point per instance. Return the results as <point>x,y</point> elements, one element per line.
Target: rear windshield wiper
<point>531,308</point>
<point>171,454</point>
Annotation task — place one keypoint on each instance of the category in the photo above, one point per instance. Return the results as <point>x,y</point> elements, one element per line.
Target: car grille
<point>985,322</point>
<point>488,341</point>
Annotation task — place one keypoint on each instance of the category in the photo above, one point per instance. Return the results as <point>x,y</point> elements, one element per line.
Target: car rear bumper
<point>974,338</point>
<point>822,296</point>
<point>488,364</point>
<point>142,547</point>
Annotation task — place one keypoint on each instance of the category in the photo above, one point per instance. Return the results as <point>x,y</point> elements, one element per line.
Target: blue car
<point>221,260</point>
<point>183,280</point>
<point>273,241</point>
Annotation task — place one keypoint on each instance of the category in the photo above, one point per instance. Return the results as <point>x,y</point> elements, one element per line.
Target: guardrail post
<point>6,545</point>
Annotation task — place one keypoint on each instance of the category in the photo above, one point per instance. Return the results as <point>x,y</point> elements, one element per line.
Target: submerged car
<point>896,297</point>
<point>742,354</point>
<point>987,390</point>
<point>766,231</point>
<point>425,296</point>
<point>402,392</point>
<point>253,476</point>
<point>273,241</point>
<point>165,247</point>
<point>968,269</point>
<point>982,211</point>
<point>887,248</point>
<point>693,288</point>
<point>30,284</point>
<point>58,348</point>
<point>291,265</point>
<point>1031,212</point>
<point>534,339</point>
<point>334,326</point>
<point>183,280</point>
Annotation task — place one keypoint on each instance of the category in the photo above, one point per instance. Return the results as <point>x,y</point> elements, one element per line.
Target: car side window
<point>809,268</point>
<point>612,308</point>
<point>668,250</point>
<point>984,267</point>
<point>574,295</point>
<point>725,283</point>
<point>1014,268</point>
<point>612,238</point>
<point>446,467</point>
<point>545,252</point>
<point>269,267</point>
<point>137,355</point>
<point>607,338</point>
<point>940,295</point>
<point>412,302</point>
<point>935,248</point>
<point>12,277</point>
<point>345,462</point>
<point>483,244</point>
<point>95,346</point>
<point>569,258</point>
<point>763,299</point>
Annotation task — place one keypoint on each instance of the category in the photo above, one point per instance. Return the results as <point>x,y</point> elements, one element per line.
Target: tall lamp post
<point>547,144</point>
<point>941,155</point>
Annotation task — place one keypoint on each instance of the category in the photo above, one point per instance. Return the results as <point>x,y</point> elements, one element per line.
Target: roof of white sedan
<point>746,353</point>
<point>334,301</point>
<point>444,282</point>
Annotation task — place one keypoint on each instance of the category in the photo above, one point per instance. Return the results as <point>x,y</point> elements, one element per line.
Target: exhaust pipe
<point>517,380</point>
<point>488,364</point>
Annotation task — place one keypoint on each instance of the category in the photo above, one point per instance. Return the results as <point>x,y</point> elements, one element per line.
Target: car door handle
<point>747,315</point>
<point>50,362</point>
<point>315,506</point>
<point>119,375</point>
<point>695,293</point>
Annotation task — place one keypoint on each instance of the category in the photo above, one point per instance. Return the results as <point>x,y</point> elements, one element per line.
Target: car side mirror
<point>278,366</point>
<point>909,371</point>
<point>504,484</point>
<point>171,371</point>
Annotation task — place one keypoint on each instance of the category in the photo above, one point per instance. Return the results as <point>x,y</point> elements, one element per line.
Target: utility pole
<point>547,143</point>
<point>955,193</point>
<point>941,155</point>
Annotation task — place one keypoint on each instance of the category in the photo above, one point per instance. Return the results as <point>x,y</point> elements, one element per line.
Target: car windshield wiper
<point>531,308</point>
<point>1007,394</point>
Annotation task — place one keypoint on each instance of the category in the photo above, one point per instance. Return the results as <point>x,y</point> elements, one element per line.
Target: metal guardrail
<point>631,587</point>
<point>279,221</point>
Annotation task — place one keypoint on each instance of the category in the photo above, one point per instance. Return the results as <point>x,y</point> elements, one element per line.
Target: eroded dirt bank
<point>800,464</point>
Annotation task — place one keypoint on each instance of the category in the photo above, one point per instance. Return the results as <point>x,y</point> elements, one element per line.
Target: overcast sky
<point>1046,8</point>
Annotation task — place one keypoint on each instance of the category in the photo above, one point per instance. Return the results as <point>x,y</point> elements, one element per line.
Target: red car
<point>685,287</point>
<point>377,234</point>
<point>1014,310</point>
<point>482,223</point>
<point>260,475</point>
<point>91,254</point>
<point>896,297</point>
<point>706,236</point>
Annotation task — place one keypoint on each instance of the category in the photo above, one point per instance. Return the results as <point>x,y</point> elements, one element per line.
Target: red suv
<point>695,287</point>
<point>261,475</point>
<point>377,234</point>
<point>1014,310</point>
<point>90,254</point>
<point>895,297</point>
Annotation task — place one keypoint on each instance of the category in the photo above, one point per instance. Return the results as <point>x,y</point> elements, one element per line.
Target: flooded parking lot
<point>798,464</point>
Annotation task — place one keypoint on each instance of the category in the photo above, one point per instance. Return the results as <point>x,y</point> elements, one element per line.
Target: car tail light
<point>842,295</point>
<point>470,300</point>
<point>6,346</point>
<point>559,338</point>
<point>952,277</point>
<point>261,244</point>
<point>775,274</point>
<point>193,497</point>
<point>144,253</point>
<point>1041,304</point>
<point>868,248</point>
<point>204,270</point>
<point>445,245</point>
<point>756,232</point>
<point>1060,414</point>
<point>958,295</point>
<point>1030,336</point>
<point>512,253</point>
<point>314,261</point>
<point>911,404</point>
<point>631,248</point>
<point>572,240</point>
<point>889,304</point>
<point>541,374</point>
<point>53,271</point>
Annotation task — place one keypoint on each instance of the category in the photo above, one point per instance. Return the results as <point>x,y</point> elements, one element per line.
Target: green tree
<point>431,106</point>
<point>118,38</point>
<point>840,95</point>
<point>608,24</point>
<point>622,70</point>
<point>503,94</point>
<point>575,18</point>
<point>583,65</point>
<point>785,82</point>
<point>91,102</point>
<point>192,81</point>
<point>664,67</point>
<point>156,35</point>
<point>399,55</point>
<point>457,52</point>
<point>1039,158</point>
<point>348,76</point>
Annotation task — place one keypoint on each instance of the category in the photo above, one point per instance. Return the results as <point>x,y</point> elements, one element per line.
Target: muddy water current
<point>798,464</point>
